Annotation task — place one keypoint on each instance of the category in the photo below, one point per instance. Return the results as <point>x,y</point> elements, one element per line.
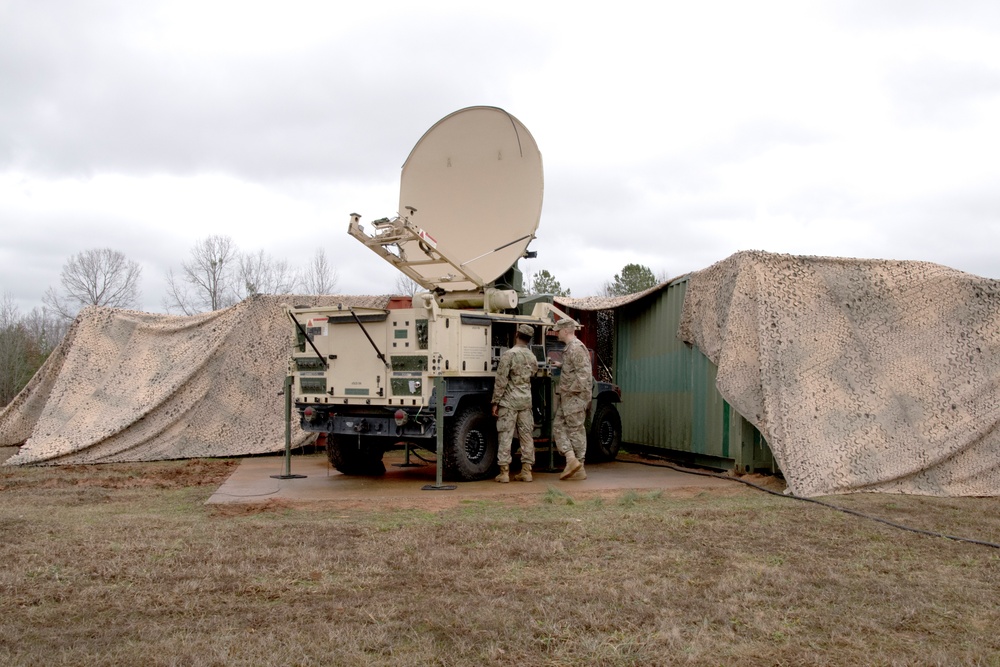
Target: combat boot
<point>572,465</point>
<point>581,473</point>
<point>525,474</point>
<point>504,476</point>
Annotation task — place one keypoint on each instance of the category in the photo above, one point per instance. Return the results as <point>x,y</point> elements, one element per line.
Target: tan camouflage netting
<point>863,375</point>
<point>131,386</point>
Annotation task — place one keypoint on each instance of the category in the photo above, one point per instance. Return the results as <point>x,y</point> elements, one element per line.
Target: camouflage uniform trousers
<point>509,420</point>
<point>568,425</point>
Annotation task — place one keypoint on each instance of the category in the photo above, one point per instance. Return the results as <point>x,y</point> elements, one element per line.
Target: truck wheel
<point>351,457</point>
<point>605,435</point>
<point>471,447</point>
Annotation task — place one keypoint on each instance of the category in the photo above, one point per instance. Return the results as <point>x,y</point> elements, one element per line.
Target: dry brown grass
<point>124,564</point>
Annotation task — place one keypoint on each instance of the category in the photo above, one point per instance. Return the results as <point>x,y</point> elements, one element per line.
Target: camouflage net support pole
<point>288,432</point>
<point>439,427</point>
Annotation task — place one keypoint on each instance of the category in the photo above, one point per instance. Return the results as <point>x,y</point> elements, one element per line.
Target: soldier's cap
<point>566,323</point>
<point>526,330</point>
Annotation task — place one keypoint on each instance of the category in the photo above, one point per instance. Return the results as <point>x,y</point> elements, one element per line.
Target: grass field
<point>124,565</point>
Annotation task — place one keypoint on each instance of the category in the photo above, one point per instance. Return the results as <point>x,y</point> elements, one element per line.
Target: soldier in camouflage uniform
<point>512,404</point>
<point>574,391</point>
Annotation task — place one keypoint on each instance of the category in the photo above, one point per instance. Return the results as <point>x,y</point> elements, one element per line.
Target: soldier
<point>574,391</point>
<point>512,404</point>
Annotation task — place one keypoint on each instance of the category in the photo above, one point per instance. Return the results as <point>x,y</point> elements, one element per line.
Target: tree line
<point>216,274</point>
<point>632,278</point>
<point>26,340</point>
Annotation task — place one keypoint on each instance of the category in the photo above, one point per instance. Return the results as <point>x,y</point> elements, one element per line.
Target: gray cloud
<point>671,147</point>
<point>83,94</point>
<point>897,14</point>
<point>941,92</point>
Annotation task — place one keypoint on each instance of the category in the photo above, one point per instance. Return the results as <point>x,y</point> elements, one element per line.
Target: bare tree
<point>206,280</point>
<point>100,277</point>
<point>25,343</point>
<point>319,277</point>
<point>45,329</point>
<point>259,273</point>
<point>14,371</point>
<point>405,286</point>
<point>20,355</point>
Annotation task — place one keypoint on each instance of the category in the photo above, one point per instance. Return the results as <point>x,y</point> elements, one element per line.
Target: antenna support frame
<point>400,231</point>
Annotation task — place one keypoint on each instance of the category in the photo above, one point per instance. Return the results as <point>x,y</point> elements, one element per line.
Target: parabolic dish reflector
<point>475,182</point>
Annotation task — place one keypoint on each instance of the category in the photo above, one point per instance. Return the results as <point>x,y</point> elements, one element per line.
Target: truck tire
<point>471,448</point>
<point>605,435</point>
<point>352,457</point>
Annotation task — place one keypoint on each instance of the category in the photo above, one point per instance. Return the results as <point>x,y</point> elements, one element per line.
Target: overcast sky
<point>673,134</point>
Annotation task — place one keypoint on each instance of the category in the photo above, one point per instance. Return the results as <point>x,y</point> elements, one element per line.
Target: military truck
<point>365,378</point>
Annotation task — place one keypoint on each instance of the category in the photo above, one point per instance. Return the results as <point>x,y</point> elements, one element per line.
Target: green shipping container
<point>669,399</point>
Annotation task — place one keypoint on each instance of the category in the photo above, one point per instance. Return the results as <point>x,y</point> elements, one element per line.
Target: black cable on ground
<point>428,461</point>
<point>846,510</point>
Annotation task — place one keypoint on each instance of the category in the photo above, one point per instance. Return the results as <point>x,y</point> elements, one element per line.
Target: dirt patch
<point>244,509</point>
<point>442,501</point>
<point>155,475</point>
<point>260,480</point>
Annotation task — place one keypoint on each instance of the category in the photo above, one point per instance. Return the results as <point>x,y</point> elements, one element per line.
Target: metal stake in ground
<point>288,432</point>
<point>439,404</point>
<point>407,464</point>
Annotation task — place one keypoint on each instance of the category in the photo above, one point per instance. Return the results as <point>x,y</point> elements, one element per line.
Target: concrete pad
<point>253,482</point>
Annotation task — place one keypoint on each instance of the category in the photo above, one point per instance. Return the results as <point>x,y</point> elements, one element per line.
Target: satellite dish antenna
<point>470,200</point>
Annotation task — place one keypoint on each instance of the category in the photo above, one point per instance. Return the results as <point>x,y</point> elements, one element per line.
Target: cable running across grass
<point>818,502</point>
